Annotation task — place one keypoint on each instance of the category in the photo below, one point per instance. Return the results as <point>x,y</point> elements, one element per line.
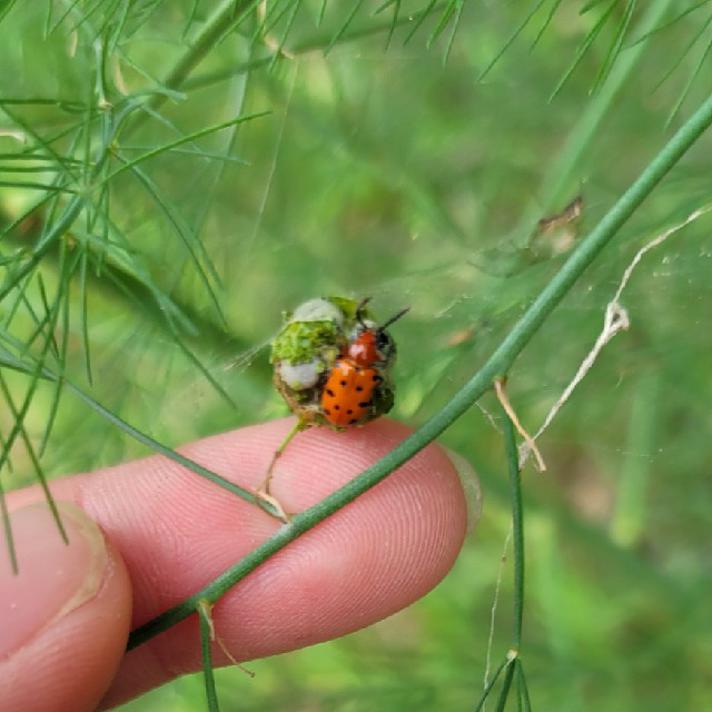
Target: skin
<point>167,533</point>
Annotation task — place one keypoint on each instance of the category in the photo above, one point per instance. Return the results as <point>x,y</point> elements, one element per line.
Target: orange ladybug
<point>358,388</point>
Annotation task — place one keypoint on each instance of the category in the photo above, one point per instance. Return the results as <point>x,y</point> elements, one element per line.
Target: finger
<point>176,532</point>
<point>65,614</point>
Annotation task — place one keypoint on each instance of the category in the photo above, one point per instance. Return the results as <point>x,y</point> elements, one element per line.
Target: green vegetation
<point>173,176</point>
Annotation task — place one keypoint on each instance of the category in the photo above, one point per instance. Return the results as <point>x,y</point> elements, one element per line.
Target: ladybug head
<point>373,344</point>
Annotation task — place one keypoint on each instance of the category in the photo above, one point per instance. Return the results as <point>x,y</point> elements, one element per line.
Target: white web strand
<point>616,319</point>
<point>493,610</point>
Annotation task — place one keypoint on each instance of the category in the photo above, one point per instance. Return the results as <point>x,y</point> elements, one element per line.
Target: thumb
<point>65,615</point>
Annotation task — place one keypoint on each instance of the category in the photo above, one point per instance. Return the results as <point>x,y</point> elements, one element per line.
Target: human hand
<point>163,533</point>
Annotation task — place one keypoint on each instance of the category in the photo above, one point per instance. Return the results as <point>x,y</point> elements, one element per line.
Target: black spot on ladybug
<point>359,388</point>
<point>330,392</point>
<point>353,421</point>
<point>364,404</point>
<point>349,411</point>
<point>343,383</point>
<point>337,407</point>
<point>327,411</point>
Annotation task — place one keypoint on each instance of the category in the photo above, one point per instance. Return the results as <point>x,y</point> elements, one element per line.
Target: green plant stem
<point>515,483</point>
<point>228,14</point>
<point>522,688</point>
<point>506,686</point>
<point>497,365</point>
<point>515,486</point>
<point>206,638</point>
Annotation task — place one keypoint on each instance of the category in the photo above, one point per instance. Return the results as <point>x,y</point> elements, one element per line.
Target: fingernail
<point>470,484</point>
<point>54,577</point>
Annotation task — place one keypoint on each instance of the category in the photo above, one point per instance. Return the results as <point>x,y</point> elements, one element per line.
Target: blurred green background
<point>385,170</point>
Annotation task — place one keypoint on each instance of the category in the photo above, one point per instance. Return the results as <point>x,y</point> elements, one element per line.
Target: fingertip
<point>71,612</point>
<point>177,532</point>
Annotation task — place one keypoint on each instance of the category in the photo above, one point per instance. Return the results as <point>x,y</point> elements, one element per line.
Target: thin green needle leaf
<point>7,528</point>
<point>349,19</point>
<point>693,41</point>
<point>84,19</point>
<point>506,687</point>
<point>157,89</point>
<point>322,12</point>
<point>384,6</point>
<point>49,188</point>
<point>21,299</point>
<point>45,244</point>
<point>29,130</point>
<point>394,20</point>
<point>35,157</point>
<point>522,688</point>
<point>616,46</point>
<point>202,368</point>
<point>84,302</point>
<point>581,52</point>
<point>441,24</point>
<point>30,169</point>
<point>119,26</point>
<point>199,154</point>
<point>70,105</point>
<point>587,7</point>
<point>48,315</point>
<point>128,164</point>
<point>490,685</point>
<point>310,45</point>
<point>274,14</point>
<point>296,6</point>
<point>191,242</point>
<point>451,37</point>
<point>234,25</point>
<point>131,277</point>
<point>87,133</point>
<point>66,270</point>
<point>515,488</point>
<point>549,17</point>
<point>30,152</point>
<point>420,20</point>
<point>69,9</point>
<point>10,467</point>
<point>23,216</point>
<point>227,16</point>
<point>192,15</point>
<point>670,23</point>
<point>688,86</point>
<point>19,429</point>
<point>163,450</point>
<point>206,636</point>
<point>5,7</point>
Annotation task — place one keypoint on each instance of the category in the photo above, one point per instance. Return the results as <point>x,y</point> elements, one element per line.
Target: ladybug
<point>357,388</point>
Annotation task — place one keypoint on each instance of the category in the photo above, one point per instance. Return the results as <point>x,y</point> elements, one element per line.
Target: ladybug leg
<point>262,491</point>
